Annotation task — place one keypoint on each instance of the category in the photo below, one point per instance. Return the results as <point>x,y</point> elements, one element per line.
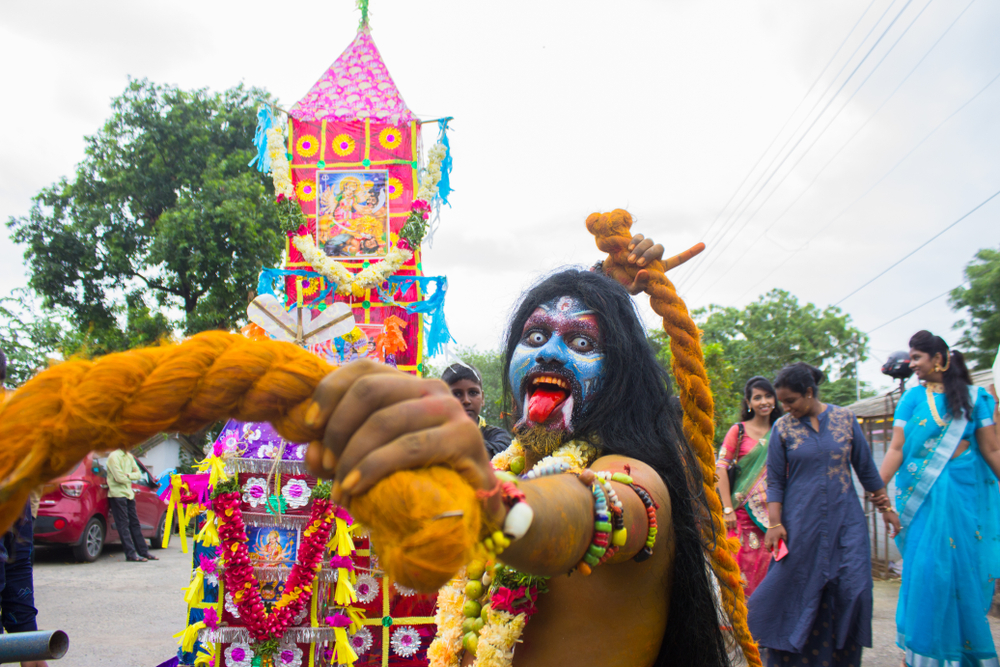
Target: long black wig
<point>635,415</point>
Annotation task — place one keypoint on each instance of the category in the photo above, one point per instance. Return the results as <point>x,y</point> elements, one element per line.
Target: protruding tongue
<point>543,402</point>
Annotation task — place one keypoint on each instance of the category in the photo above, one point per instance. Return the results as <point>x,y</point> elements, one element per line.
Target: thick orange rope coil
<point>612,235</point>
<point>50,424</point>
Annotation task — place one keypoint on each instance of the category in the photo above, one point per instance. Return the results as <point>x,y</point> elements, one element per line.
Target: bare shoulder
<point>641,473</point>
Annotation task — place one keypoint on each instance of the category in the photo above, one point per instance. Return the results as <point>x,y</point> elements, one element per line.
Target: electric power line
<point>802,156</point>
<point>922,245</point>
<point>758,187</point>
<point>870,189</point>
<point>911,310</point>
<point>698,260</point>
<point>717,255</point>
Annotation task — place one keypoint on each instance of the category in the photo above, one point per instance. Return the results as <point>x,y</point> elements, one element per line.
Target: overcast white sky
<point>563,108</point>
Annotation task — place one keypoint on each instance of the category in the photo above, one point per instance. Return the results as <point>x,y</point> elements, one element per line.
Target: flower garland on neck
<point>269,626</point>
<point>350,284</point>
<point>512,595</point>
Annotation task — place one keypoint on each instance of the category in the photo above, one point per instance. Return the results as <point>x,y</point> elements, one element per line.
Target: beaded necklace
<point>510,595</point>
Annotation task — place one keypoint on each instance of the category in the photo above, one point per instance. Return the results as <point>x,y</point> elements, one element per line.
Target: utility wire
<point>717,255</point>
<point>791,170</point>
<point>922,245</point>
<point>782,129</point>
<point>870,189</point>
<point>911,310</point>
<point>875,113</point>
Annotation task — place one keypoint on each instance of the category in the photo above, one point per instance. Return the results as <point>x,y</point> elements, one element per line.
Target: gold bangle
<point>774,526</point>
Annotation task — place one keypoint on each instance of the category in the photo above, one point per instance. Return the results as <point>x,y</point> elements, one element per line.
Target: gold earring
<point>938,369</point>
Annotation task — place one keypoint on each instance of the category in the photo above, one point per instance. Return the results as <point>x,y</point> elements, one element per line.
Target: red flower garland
<point>261,624</point>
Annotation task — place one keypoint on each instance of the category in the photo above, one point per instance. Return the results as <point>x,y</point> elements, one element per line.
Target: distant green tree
<point>163,226</point>
<point>31,338</point>
<point>776,330</point>
<point>982,299</point>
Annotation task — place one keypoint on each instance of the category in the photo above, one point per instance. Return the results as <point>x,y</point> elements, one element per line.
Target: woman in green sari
<point>945,457</point>
<point>745,505</point>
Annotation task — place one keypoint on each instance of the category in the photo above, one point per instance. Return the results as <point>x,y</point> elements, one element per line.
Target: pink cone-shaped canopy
<point>357,86</point>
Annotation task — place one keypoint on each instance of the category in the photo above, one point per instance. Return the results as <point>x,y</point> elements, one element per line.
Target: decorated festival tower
<point>281,576</point>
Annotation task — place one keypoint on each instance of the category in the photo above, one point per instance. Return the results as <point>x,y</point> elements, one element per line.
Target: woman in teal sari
<point>945,457</point>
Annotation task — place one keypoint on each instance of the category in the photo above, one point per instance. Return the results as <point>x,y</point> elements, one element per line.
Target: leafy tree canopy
<point>163,227</point>
<point>982,299</point>
<point>776,330</point>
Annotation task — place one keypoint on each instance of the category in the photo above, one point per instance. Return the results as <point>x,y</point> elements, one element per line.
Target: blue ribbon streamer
<point>265,121</point>
<point>444,185</point>
<point>436,333</point>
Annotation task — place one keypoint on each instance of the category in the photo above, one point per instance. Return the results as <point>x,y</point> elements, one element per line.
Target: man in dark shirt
<point>467,386</point>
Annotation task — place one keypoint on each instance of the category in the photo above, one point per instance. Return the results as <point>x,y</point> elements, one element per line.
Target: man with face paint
<point>578,373</point>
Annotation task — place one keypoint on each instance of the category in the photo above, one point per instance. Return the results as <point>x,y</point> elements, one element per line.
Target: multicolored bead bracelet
<point>651,508</point>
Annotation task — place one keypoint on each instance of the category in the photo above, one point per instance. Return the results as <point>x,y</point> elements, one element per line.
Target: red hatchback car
<point>74,510</point>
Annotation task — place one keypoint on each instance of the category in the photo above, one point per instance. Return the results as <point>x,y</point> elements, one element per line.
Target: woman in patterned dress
<point>745,505</point>
<point>814,607</point>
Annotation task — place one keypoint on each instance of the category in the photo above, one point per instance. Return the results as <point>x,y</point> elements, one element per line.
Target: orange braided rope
<point>612,235</point>
<point>121,400</point>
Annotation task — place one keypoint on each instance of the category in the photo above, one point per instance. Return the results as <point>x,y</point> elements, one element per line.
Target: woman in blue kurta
<point>815,605</point>
<point>945,450</point>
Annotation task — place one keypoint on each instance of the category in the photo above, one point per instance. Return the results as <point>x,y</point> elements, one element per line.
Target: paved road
<point>116,613</point>
<point>123,614</point>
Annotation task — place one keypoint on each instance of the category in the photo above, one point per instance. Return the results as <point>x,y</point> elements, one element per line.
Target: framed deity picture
<point>272,546</point>
<point>352,213</point>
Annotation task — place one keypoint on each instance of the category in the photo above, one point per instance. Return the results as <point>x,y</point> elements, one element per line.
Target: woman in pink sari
<point>745,504</point>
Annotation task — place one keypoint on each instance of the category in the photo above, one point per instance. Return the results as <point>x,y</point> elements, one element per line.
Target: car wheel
<point>91,543</point>
<point>156,542</point>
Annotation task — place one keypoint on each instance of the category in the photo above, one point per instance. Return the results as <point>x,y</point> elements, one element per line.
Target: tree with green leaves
<point>163,227</point>
<point>776,330</point>
<point>981,337</point>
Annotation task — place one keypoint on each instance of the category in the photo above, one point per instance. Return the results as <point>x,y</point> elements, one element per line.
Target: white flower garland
<point>432,174</point>
<point>281,172</point>
<point>350,283</point>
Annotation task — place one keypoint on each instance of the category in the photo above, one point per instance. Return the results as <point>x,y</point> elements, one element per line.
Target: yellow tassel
<point>203,657</point>
<point>182,521</point>
<point>342,651</point>
<point>189,635</point>
<point>345,545</point>
<point>209,533</point>
<point>216,469</point>
<point>172,505</point>
<point>357,616</point>
<point>344,594</point>
<point>196,590</point>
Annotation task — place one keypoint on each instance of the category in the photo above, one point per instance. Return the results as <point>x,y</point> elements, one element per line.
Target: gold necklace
<point>933,406</point>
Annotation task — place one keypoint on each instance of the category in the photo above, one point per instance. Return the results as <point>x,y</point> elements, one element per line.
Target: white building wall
<point>163,457</point>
